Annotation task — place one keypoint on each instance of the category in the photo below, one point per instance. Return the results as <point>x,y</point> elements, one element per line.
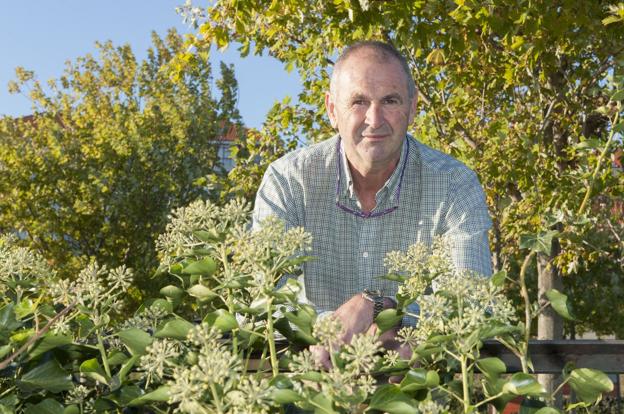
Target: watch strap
<point>375,296</point>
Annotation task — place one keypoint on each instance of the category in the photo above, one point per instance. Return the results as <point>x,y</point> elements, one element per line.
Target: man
<point>372,189</point>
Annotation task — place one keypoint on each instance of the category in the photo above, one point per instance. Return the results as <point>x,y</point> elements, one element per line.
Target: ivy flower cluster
<point>267,252</point>
<point>348,383</point>
<point>179,238</point>
<point>462,301</point>
<point>421,265</point>
<point>206,380</point>
<point>98,290</point>
<point>160,358</point>
<point>21,270</point>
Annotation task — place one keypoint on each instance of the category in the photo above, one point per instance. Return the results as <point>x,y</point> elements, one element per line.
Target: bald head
<point>377,51</point>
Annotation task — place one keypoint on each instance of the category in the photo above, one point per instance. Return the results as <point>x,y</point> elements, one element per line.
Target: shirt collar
<point>390,185</point>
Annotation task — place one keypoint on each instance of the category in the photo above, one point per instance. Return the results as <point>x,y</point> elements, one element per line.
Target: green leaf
<point>539,242</point>
<point>206,267</point>
<point>618,96</point>
<point>419,379</point>
<point>4,350</point>
<point>8,323</point>
<point>161,304</point>
<point>323,405</point>
<point>135,340</point>
<point>222,320</point>
<point>284,396</point>
<point>523,384</point>
<point>126,394</point>
<point>202,293</point>
<point>206,236</point>
<point>560,303</point>
<point>491,367</point>
<point>172,291</point>
<point>390,396</point>
<point>92,369</point>
<point>24,308</point>
<point>176,329</point>
<point>548,410</point>
<point>303,318</point>
<point>161,394</point>
<point>47,406</point>
<point>589,384</point>
<point>49,376</point>
<point>126,367</point>
<point>619,127</point>
<point>48,342</point>
<point>117,358</point>
<point>71,409</point>
<point>498,278</point>
<point>387,319</point>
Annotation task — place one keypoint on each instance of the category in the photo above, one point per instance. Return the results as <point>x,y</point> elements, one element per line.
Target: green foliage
<point>191,352</point>
<point>112,146</point>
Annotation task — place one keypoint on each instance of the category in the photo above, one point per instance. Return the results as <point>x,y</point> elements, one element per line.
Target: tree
<point>526,93</point>
<point>109,151</point>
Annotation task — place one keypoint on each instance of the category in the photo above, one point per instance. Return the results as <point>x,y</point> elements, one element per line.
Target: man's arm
<point>467,223</point>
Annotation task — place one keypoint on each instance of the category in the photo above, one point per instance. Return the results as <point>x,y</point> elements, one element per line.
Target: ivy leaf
<point>548,410</point>
<point>161,394</point>
<point>176,329</point>
<point>47,406</point>
<point>523,384</point>
<point>49,376</point>
<point>498,278</point>
<point>202,293</point>
<point>419,379</point>
<point>589,384</point>
<point>48,342</point>
<point>618,96</point>
<point>91,368</point>
<point>135,340</point>
<point>387,319</point>
<point>206,267</point>
<point>538,242</point>
<point>8,322</point>
<point>222,320</point>
<point>284,396</point>
<point>172,291</point>
<point>323,405</point>
<point>389,398</point>
<point>560,303</point>
<point>491,367</point>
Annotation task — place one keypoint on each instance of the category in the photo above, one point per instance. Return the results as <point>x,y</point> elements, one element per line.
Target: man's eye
<point>358,102</point>
<point>391,101</point>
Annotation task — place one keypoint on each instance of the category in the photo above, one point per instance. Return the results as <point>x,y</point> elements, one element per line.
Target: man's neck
<point>368,181</point>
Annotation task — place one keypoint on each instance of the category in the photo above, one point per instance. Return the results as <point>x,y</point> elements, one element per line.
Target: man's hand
<point>356,316</point>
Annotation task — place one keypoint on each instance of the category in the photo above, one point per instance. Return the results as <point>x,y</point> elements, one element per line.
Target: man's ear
<point>330,107</point>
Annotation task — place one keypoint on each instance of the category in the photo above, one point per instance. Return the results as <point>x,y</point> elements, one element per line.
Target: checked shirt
<point>438,196</point>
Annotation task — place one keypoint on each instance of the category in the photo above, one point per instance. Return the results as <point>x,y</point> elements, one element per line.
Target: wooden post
<point>549,323</point>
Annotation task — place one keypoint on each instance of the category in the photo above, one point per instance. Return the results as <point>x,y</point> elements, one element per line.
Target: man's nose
<point>374,116</point>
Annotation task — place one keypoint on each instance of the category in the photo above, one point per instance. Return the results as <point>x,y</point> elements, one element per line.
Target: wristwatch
<point>375,296</point>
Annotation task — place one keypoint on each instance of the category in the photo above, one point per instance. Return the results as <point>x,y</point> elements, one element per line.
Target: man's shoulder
<point>315,155</point>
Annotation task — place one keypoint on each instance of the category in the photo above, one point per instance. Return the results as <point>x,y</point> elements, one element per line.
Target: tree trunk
<point>549,323</point>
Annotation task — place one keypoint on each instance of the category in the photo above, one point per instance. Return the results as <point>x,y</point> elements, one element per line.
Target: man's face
<point>371,109</point>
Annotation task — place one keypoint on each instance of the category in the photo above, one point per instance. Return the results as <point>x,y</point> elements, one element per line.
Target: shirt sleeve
<point>274,197</point>
<point>467,223</point>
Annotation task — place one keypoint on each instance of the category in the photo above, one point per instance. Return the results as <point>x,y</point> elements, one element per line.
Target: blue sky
<point>41,35</point>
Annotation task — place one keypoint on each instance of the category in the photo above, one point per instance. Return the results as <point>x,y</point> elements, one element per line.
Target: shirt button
<point>365,254</point>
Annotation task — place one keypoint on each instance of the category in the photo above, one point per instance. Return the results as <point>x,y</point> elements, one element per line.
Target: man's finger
<point>321,356</point>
